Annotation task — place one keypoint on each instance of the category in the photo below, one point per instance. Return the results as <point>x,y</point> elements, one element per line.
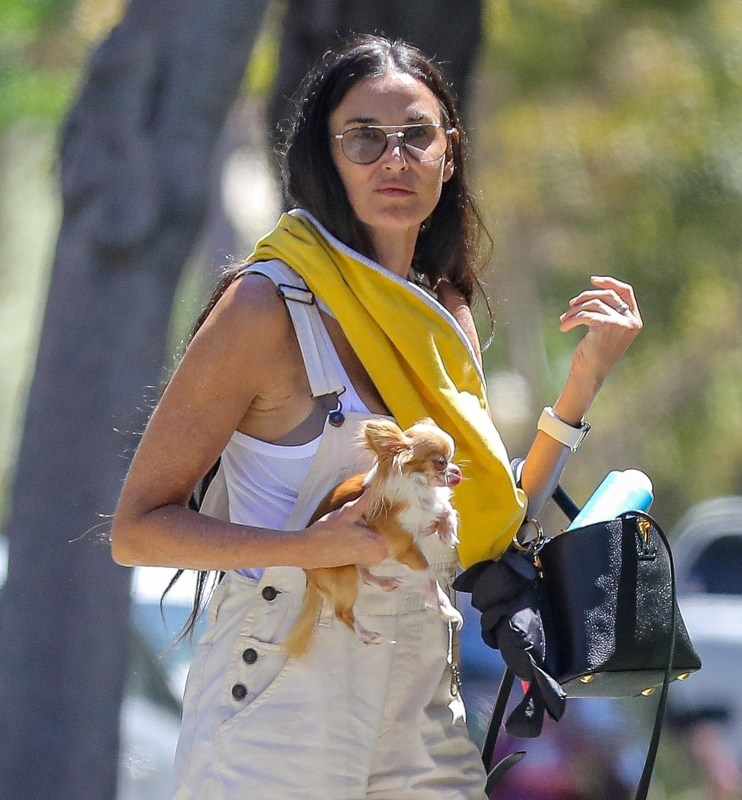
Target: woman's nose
<point>394,156</point>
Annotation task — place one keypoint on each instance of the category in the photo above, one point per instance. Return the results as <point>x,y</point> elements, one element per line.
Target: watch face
<point>584,430</point>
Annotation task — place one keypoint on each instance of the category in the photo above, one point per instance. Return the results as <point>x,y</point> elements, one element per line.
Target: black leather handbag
<point>611,620</point>
<point>589,613</point>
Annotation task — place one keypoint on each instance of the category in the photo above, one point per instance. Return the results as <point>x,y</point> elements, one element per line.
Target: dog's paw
<point>365,635</point>
<point>383,582</point>
<point>370,637</point>
<point>447,529</point>
<point>446,608</point>
<point>448,612</point>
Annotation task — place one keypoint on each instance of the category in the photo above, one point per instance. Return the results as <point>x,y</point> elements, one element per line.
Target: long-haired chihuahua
<point>410,487</point>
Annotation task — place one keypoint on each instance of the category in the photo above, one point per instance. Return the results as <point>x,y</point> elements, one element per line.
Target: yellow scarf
<point>422,365</point>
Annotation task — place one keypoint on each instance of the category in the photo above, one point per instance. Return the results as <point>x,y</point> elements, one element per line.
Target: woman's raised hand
<point>612,317</point>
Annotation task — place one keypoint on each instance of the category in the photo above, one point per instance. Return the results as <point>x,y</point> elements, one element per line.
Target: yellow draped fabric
<point>422,365</point>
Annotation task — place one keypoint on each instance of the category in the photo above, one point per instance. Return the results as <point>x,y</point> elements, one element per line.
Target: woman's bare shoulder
<point>455,302</point>
<point>239,346</point>
<point>250,318</point>
<point>250,303</point>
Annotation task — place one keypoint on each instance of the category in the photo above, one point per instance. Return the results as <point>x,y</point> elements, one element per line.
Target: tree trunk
<point>134,173</point>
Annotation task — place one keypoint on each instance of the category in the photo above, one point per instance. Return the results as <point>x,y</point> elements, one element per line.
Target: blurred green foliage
<point>38,59</point>
<point>608,142</point>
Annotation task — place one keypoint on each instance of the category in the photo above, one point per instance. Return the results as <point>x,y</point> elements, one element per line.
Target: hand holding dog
<point>343,537</point>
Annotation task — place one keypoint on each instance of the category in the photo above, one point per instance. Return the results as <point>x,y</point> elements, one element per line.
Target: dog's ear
<point>385,437</point>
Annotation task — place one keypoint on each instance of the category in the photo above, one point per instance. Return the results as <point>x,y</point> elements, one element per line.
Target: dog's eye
<point>441,462</point>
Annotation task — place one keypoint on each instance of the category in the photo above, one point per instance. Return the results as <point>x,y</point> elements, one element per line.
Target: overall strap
<point>302,306</point>
<point>319,364</point>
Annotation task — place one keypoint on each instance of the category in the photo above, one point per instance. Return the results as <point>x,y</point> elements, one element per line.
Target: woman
<point>279,389</point>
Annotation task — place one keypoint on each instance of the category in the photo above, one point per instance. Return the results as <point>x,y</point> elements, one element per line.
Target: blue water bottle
<point>630,490</point>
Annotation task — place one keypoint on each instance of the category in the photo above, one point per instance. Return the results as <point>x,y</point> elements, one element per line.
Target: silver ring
<point>622,307</point>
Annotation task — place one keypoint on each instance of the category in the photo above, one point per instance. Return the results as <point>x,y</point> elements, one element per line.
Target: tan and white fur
<point>410,487</point>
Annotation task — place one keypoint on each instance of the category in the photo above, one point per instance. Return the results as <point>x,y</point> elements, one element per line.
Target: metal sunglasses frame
<point>400,131</point>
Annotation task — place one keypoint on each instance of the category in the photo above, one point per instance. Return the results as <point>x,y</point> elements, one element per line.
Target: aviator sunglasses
<point>424,142</point>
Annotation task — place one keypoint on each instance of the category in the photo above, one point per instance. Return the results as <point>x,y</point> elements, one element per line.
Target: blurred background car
<point>707,710</point>
<point>150,717</point>
<point>160,621</point>
<point>707,544</point>
<point>149,726</point>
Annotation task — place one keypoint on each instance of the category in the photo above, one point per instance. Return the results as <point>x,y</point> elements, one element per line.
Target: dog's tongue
<point>453,478</point>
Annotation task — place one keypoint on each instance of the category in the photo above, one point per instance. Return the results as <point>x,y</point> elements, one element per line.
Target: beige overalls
<point>347,721</point>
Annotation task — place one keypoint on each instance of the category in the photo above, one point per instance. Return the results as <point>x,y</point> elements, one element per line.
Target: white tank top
<point>263,479</point>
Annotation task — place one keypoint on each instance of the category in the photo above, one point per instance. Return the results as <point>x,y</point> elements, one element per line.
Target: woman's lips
<point>394,191</point>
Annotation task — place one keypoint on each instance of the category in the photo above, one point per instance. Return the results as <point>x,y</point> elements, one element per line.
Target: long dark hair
<point>454,243</point>
<point>450,245</point>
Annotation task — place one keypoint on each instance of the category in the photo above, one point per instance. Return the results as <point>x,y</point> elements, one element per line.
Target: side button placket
<point>250,654</point>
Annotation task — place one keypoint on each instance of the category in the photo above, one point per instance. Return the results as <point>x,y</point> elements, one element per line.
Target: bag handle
<point>659,716</point>
<point>570,509</point>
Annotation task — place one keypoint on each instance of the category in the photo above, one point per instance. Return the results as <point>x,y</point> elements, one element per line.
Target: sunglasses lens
<point>363,145</point>
<point>425,142</point>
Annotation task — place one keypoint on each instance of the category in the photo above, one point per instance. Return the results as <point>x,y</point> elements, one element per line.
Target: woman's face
<point>393,195</point>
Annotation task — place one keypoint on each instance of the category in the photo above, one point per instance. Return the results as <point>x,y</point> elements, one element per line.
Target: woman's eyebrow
<point>362,121</point>
<point>411,119</point>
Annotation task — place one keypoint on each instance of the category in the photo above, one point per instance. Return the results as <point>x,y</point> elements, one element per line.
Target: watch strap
<point>554,426</point>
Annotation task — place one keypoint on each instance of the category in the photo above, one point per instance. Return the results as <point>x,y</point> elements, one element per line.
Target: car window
<point>718,568</point>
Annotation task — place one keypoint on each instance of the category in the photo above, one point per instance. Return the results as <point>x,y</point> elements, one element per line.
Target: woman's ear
<point>448,169</point>
<point>449,166</point>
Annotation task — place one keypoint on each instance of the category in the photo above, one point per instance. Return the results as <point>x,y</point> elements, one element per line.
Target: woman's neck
<point>395,251</point>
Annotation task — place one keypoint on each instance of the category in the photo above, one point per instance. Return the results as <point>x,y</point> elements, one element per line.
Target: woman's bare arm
<point>609,334</point>
<point>235,359</point>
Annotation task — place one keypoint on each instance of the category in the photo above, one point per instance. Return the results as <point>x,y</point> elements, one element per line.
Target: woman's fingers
<point>610,297</point>
<point>611,314</point>
<point>611,301</point>
<point>343,537</point>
